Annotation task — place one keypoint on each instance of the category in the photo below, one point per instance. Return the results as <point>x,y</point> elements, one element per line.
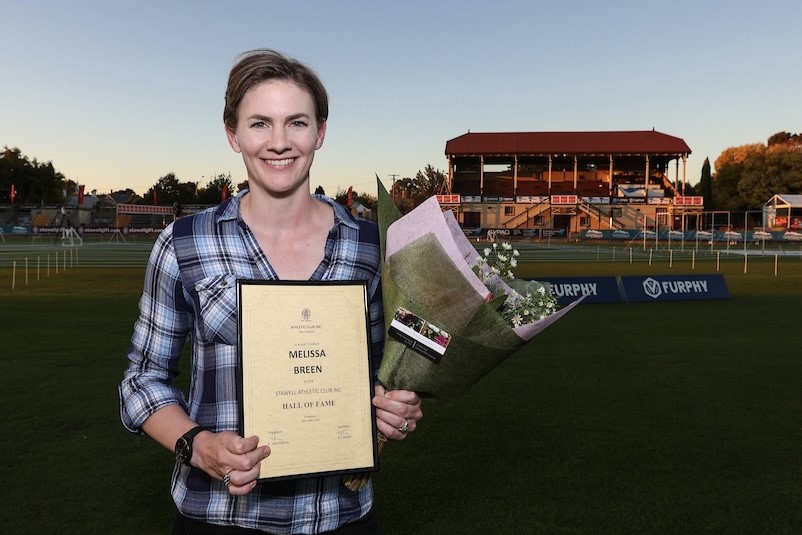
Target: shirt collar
<point>231,210</point>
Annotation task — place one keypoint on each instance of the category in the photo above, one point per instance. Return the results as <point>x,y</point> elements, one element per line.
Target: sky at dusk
<point>118,94</point>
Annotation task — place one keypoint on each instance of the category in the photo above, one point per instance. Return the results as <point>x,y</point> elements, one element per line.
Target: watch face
<point>182,451</point>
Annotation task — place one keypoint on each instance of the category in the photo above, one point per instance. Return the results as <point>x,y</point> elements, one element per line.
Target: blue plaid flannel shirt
<point>197,301</point>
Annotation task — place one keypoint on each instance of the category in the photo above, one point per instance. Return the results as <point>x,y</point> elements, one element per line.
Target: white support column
<point>481,175</point>
<point>611,175</point>
<point>450,174</point>
<point>646,176</point>
<point>514,175</point>
<point>676,175</point>
<point>684,168</point>
<point>550,162</point>
<point>575,172</point>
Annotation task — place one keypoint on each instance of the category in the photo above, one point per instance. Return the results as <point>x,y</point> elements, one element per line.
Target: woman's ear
<point>232,139</point>
<point>321,134</point>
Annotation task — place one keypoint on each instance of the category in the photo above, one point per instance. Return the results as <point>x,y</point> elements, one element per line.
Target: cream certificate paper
<point>305,377</point>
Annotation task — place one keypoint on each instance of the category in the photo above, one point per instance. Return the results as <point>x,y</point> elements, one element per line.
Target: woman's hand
<point>230,458</point>
<point>397,412</point>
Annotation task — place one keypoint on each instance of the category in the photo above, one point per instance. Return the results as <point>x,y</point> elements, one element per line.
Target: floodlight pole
<point>393,187</point>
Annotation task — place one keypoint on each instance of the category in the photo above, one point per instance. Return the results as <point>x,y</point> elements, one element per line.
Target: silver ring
<point>404,427</point>
<point>227,478</point>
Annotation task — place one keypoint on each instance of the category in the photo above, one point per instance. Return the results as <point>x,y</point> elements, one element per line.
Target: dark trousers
<point>367,525</point>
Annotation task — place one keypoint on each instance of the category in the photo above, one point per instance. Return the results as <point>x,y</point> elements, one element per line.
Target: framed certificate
<point>305,381</point>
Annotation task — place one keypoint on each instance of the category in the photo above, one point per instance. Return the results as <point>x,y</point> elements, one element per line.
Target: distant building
<point>783,212</point>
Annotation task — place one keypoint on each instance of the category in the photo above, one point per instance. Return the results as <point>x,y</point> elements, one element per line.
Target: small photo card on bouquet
<point>419,335</point>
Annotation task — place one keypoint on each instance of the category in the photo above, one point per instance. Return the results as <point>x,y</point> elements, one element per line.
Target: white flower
<point>517,309</point>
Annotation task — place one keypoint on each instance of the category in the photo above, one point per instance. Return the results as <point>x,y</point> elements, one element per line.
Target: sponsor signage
<point>564,199</point>
<point>532,199</point>
<point>448,199</point>
<point>494,234</point>
<point>673,288</point>
<point>553,232</point>
<point>143,209</point>
<point>597,289</point>
<point>689,201</point>
<point>526,232</point>
<point>596,200</point>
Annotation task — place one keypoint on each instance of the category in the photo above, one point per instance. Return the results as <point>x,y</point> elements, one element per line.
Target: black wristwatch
<point>183,446</point>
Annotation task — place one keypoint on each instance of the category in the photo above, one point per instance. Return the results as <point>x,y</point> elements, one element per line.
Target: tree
<point>785,138</point>
<point>729,170</point>
<point>410,192</point>
<point>166,191</point>
<point>34,182</point>
<point>748,175</point>
<point>365,199</point>
<point>429,182</point>
<point>776,170</point>
<point>706,184</point>
<point>213,192</point>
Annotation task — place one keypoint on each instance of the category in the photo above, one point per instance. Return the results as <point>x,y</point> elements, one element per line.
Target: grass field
<point>660,418</point>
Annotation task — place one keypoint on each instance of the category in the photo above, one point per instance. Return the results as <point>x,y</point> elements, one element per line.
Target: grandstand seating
<point>532,187</point>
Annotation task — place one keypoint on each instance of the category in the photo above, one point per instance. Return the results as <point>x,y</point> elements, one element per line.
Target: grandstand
<point>570,181</point>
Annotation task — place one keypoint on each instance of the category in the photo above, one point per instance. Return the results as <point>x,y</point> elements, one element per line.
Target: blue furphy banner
<point>597,289</point>
<point>673,288</point>
<point>638,289</point>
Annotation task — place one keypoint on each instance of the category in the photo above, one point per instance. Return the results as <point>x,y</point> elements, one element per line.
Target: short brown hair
<point>262,65</point>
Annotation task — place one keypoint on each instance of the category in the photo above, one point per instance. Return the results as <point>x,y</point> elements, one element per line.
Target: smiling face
<point>277,134</point>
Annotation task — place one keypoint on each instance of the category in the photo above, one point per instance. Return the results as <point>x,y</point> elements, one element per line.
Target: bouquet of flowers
<point>451,314</point>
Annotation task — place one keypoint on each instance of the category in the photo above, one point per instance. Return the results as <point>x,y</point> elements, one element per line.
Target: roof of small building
<point>794,201</point>
<point>574,143</point>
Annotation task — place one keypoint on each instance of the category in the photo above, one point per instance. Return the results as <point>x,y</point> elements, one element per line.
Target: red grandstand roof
<point>541,143</point>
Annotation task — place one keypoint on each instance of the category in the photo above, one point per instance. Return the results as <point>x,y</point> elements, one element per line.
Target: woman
<point>275,117</point>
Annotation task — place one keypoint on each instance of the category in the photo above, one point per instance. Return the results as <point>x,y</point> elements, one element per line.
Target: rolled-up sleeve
<point>162,328</point>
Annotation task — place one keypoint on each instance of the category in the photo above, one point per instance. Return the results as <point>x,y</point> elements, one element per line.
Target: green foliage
<point>34,182</point>
<point>748,175</point>
<point>166,191</point>
<point>706,184</point>
<point>213,192</point>
<point>784,138</point>
<point>777,170</point>
<point>367,200</point>
<point>409,192</point>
